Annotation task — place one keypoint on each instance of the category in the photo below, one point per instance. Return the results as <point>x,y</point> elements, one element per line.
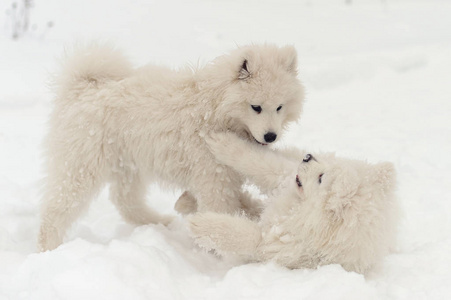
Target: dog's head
<point>344,187</point>
<point>261,91</point>
<point>350,207</point>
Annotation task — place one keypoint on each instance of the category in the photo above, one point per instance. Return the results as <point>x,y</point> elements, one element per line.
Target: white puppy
<point>323,210</point>
<point>128,127</point>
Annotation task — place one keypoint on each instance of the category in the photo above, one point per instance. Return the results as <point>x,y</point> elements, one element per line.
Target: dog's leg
<point>292,153</point>
<point>128,192</point>
<point>266,168</point>
<point>225,233</point>
<point>218,189</point>
<point>186,204</point>
<point>252,207</point>
<point>66,196</point>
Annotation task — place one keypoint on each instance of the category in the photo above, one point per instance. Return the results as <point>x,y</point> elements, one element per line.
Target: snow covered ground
<point>378,82</point>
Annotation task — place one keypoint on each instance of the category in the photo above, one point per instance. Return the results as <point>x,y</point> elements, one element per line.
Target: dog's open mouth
<point>298,181</point>
<point>251,137</point>
<point>259,142</point>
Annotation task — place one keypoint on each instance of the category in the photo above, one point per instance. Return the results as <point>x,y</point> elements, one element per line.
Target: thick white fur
<point>127,127</point>
<point>349,218</point>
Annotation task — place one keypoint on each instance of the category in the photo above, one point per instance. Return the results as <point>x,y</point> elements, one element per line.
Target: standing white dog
<point>128,127</point>
<point>325,210</point>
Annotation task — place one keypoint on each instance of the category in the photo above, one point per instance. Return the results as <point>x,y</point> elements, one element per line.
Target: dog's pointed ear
<point>244,70</point>
<point>289,59</point>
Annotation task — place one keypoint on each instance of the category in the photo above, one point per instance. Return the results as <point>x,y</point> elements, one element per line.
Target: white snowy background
<point>377,75</point>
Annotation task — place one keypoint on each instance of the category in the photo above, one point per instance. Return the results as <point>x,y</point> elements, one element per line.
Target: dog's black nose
<point>307,158</point>
<point>270,137</point>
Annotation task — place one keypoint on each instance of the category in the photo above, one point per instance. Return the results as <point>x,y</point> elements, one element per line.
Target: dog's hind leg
<point>127,192</point>
<point>186,204</point>
<point>226,234</point>
<point>67,194</point>
<point>250,206</point>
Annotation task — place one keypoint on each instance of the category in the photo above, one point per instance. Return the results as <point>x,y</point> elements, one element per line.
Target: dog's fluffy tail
<point>91,64</point>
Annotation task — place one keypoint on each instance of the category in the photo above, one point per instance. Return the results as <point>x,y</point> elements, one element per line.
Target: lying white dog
<point>330,211</point>
<point>128,127</point>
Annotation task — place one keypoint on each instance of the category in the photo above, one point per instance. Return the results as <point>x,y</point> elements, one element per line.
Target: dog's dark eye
<point>279,108</point>
<point>298,181</point>
<point>320,178</point>
<point>257,108</point>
